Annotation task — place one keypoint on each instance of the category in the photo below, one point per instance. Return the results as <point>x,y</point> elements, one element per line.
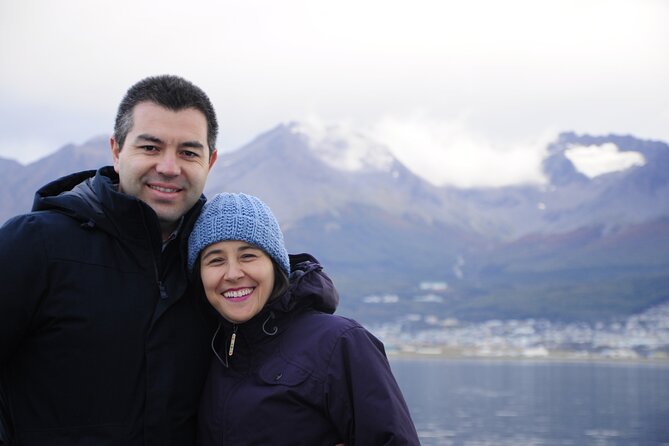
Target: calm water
<point>477,402</point>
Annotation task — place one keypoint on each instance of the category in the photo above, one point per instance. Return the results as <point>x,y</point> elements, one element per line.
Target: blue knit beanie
<point>238,217</point>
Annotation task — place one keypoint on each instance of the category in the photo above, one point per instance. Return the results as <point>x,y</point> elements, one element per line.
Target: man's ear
<point>115,150</point>
<point>212,159</point>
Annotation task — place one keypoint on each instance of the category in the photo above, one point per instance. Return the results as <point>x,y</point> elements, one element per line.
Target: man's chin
<point>168,209</point>
<point>169,218</point>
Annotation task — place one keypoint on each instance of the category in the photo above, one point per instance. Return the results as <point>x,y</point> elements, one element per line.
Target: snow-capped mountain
<point>581,246</point>
<point>572,199</point>
<point>288,168</point>
<point>345,149</point>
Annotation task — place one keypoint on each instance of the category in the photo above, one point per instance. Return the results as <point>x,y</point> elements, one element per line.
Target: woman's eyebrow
<point>210,252</point>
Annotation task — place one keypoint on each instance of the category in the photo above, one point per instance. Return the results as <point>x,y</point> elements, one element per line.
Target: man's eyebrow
<point>192,144</point>
<point>149,138</point>
<point>195,144</point>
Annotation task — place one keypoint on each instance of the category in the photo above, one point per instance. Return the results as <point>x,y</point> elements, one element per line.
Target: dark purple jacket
<point>299,375</point>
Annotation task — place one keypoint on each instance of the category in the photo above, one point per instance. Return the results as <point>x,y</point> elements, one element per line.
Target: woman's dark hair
<point>281,282</point>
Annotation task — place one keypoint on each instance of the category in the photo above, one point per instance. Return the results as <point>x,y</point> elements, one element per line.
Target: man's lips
<point>166,189</point>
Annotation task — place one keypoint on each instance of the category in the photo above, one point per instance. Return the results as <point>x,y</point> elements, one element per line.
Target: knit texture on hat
<point>238,217</point>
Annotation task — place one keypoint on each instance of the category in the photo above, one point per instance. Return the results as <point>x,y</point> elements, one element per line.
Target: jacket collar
<point>93,198</point>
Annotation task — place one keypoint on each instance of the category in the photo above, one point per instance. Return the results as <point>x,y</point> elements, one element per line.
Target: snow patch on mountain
<point>596,160</point>
<point>343,148</point>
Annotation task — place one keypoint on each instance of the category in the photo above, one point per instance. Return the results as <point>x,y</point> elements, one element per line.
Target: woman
<point>287,371</point>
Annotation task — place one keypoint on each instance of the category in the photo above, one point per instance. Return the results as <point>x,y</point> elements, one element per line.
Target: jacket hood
<point>92,198</point>
<point>84,196</point>
<point>309,286</point>
<point>72,195</point>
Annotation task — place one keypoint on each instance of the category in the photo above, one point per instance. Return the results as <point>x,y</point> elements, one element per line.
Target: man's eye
<point>189,154</point>
<point>149,148</point>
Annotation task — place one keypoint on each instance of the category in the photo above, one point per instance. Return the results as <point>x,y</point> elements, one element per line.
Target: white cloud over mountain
<point>594,160</point>
<point>493,80</point>
<point>451,152</point>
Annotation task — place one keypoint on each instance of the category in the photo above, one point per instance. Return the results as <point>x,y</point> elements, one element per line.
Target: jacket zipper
<point>232,340</point>
<point>155,260</point>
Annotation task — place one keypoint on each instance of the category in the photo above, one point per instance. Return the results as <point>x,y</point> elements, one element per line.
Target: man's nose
<point>168,164</point>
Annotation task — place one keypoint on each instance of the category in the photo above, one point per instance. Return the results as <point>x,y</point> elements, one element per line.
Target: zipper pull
<point>163,291</point>
<point>232,341</point>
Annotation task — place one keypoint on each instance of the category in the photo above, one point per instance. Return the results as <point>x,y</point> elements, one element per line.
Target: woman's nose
<point>234,271</point>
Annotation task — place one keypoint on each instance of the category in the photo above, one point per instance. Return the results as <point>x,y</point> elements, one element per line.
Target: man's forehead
<point>149,105</point>
<point>149,113</point>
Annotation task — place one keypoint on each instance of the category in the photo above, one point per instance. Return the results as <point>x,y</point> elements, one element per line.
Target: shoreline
<point>457,354</point>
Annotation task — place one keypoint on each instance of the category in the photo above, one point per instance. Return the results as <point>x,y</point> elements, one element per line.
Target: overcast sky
<point>463,92</point>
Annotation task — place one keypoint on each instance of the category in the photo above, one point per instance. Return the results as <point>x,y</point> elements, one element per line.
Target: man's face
<point>164,161</point>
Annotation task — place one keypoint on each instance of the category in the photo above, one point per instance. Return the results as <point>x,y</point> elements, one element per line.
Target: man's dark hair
<point>171,92</point>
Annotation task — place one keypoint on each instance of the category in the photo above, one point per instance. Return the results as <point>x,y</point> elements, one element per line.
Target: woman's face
<point>238,279</point>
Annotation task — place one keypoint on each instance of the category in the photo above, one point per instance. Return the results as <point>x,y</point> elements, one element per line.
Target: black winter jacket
<point>301,376</point>
<point>100,341</point>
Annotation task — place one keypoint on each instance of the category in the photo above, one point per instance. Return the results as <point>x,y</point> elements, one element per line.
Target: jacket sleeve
<point>364,399</point>
<point>23,270</point>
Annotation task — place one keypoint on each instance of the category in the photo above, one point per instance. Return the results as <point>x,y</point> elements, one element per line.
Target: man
<point>100,341</point>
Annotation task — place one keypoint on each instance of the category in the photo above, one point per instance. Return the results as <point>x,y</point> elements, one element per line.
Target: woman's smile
<point>238,294</point>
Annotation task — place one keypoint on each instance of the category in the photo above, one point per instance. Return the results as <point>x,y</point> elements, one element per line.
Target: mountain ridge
<point>575,248</point>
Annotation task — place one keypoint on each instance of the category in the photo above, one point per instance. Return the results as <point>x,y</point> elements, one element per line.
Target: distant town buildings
<point>643,336</point>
